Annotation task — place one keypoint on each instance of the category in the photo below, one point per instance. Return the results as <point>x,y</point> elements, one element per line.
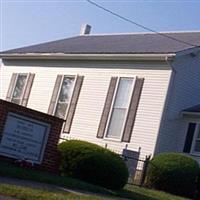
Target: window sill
<point>194,154</point>
<point>112,139</point>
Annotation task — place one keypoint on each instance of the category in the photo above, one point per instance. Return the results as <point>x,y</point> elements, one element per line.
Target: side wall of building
<point>97,75</point>
<point>184,93</point>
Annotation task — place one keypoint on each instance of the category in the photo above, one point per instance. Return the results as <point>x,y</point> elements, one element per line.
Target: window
<point>192,141</point>
<point>196,141</point>
<point>20,88</point>
<point>120,107</point>
<point>64,96</point>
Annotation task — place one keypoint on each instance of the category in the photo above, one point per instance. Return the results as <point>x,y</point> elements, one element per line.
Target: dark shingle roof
<point>115,44</point>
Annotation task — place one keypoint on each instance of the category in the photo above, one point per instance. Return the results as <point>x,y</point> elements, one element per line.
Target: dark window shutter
<point>54,94</point>
<point>73,103</point>
<point>107,107</point>
<point>132,110</point>
<point>189,137</point>
<point>11,87</point>
<point>27,89</point>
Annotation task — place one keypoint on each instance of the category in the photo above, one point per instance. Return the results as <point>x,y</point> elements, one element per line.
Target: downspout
<point>169,61</point>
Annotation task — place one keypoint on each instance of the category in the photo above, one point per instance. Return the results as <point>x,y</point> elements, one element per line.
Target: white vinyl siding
<point>97,75</point>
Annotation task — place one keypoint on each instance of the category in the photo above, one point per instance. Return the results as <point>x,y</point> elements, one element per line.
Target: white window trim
<point>13,89</point>
<point>197,128</point>
<point>111,109</point>
<point>69,104</point>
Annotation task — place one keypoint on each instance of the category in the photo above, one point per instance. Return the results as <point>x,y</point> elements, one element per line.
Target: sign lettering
<point>24,138</point>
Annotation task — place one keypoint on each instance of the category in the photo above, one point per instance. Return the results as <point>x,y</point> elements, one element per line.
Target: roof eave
<point>154,57</point>
<point>190,113</point>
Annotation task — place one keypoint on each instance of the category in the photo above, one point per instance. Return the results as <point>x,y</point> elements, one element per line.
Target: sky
<point>27,22</point>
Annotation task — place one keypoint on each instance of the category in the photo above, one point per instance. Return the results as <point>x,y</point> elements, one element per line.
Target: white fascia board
<point>186,113</point>
<point>158,57</point>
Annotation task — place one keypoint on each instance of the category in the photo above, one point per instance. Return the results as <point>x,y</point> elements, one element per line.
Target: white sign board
<point>24,138</point>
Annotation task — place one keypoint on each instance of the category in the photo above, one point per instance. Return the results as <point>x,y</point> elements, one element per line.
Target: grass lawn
<point>129,192</point>
<point>132,192</point>
<point>25,193</point>
<point>141,193</point>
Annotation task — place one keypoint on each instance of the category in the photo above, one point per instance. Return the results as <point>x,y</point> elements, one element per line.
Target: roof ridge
<point>138,33</point>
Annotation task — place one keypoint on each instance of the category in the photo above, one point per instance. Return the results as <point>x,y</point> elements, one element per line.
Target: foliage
<point>174,173</point>
<point>92,163</point>
<point>129,192</point>
<point>12,171</point>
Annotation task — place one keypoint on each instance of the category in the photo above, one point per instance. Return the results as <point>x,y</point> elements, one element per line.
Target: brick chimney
<point>85,29</point>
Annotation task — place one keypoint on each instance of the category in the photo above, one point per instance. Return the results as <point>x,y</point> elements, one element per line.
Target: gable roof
<point>193,109</point>
<point>141,43</point>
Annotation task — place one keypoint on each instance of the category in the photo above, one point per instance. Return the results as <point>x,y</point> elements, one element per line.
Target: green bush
<point>92,163</point>
<point>174,173</point>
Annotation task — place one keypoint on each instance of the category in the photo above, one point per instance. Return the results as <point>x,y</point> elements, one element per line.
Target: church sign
<point>24,138</point>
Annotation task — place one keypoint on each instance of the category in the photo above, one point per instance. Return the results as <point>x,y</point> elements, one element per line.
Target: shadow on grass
<point>9,170</point>
<point>129,192</point>
<point>142,193</point>
<point>134,195</point>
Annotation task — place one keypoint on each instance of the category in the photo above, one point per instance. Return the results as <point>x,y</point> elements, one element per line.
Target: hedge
<point>174,173</point>
<point>92,163</point>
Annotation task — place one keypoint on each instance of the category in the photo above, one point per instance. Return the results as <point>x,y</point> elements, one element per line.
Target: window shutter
<point>107,107</point>
<point>73,103</point>
<point>27,89</point>
<point>189,137</point>
<point>132,110</point>
<point>11,87</point>
<point>55,94</point>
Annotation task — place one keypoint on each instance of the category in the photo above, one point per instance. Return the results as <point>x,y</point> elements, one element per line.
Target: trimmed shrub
<point>93,164</point>
<point>174,173</point>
